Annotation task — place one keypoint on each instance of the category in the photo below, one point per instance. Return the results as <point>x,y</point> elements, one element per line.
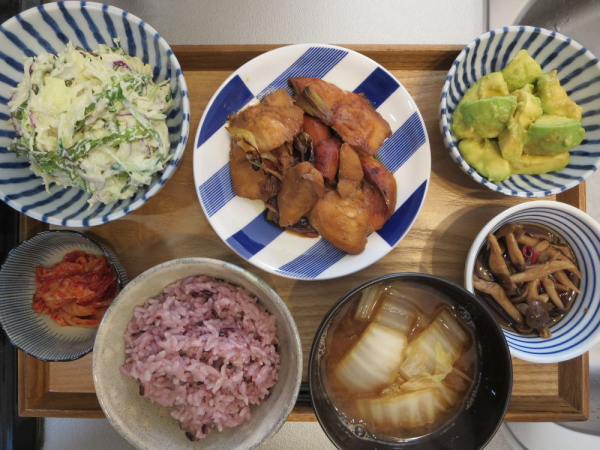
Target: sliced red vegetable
<point>527,251</point>
<point>122,64</point>
<point>535,257</point>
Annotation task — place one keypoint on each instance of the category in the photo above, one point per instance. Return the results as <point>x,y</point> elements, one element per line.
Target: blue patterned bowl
<point>579,73</point>
<point>48,28</point>
<point>37,334</point>
<point>240,222</point>
<point>579,330</point>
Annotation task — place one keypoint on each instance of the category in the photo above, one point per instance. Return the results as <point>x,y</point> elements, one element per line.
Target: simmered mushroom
<point>531,273</point>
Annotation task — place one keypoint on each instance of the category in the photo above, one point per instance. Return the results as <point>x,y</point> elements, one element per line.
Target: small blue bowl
<point>579,330</point>
<point>579,73</point>
<point>37,334</point>
<point>47,29</point>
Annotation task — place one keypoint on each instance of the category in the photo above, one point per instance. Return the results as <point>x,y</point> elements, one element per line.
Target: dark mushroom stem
<point>514,252</point>
<point>565,250</point>
<point>499,267</point>
<point>541,270</point>
<point>509,228</point>
<point>550,289</point>
<point>541,246</point>
<point>564,280</point>
<point>524,239</point>
<point>498,294</point>
<point>482,271</point>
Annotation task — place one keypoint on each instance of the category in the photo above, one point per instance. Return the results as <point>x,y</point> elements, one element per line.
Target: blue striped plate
<point>240,222</point>
<point>37,334</point>
<point>579,330</point>
<point>579,73</point>
<point>48,28</point>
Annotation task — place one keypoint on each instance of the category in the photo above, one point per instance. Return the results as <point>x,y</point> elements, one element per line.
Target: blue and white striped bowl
<point>579,330</point>
<point>579,73</point>
<point>37,334</point>
<point>48,28</point>
<point>240,222</point>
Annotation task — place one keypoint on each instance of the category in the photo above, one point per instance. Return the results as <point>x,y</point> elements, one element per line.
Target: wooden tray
<point>172,225</point>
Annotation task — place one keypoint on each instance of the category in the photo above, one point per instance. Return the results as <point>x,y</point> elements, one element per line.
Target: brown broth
<point>344,332</point>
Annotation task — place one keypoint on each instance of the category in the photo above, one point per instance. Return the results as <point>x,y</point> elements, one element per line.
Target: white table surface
<point>284,21</point>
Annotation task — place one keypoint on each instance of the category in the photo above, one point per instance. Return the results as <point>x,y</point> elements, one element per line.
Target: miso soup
<point>398,361</point>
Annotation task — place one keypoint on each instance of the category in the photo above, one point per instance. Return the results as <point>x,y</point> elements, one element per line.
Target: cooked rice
<point>206,348</point>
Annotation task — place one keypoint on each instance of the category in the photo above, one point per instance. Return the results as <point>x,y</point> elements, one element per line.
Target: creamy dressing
<point>93,120</point>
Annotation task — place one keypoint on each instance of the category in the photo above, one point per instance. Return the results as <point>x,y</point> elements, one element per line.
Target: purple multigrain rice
<point>210,357</point>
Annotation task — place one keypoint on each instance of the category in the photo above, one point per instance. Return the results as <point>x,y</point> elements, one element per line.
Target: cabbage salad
<point>93,120</point>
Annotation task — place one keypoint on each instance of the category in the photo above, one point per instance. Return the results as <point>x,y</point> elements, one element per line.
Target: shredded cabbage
<point>93,120</point>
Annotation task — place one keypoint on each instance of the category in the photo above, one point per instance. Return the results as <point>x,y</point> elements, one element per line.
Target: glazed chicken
<point>314,171</point>
<point>247,181</point>
<point>343,222</point>
<point>351,173</point>
<point>349,114</point>
<point>301,189</point>
<point>268,125</point>
<point>381,178</point>
<point>376,207</point>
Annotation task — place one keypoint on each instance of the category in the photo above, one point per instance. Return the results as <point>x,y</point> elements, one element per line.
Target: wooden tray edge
<point>572,403</point>
<point>392,57</point>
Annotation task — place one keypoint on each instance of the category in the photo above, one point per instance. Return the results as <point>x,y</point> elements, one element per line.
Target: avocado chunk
<point>489,116</point>
<point>485,157</point>
<point>491,85</point>
<point>529,107</point>
<point>472,93</point>
<point>554,98</point>
<point>549,135</point>
<point>460,129</point>
<point>521,70</point>
<point>538,165</point>
<point>512,139</point>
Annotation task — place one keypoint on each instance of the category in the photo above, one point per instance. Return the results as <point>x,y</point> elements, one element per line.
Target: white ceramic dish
<point>579,330</point>
<point>240,223</point>
<point>147,425</point>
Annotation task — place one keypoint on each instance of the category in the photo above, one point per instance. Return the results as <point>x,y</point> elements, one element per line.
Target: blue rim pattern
<point>578,71</point>
<point>34,333</point>
<point>256,236</point>
<point>48,28</point>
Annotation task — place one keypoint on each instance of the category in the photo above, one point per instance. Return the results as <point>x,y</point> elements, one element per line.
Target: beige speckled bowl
<point>147,425</point>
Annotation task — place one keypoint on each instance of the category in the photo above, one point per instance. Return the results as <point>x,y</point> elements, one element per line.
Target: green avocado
<point>472,93</point>
<point>538,165</point>
<point>491,85</point>
<point>529,107</point>
<point>549,135</point>
<point>521,70</point>
<point>554,98</point>
<point>512,139</point>
<point>489,116</point>
<point>460,129</point>
<point>485,157</point>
